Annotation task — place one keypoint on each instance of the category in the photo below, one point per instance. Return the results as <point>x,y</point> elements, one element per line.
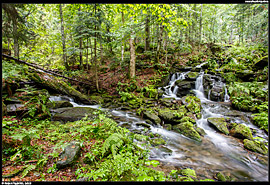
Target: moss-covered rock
<point>186,118</point>
<point>170,116</point>
<point>73,113</point>
<point>152,117</point>
<point>193,104</point>
<point>223,177</point>
<point>157,141</point>
<point>192,76</point>
<point>58,104</point>
<point>188,130</point>
<point>188,172</point>
<point>241,131</point>
<point>255,146</point>
<point>220,124</point>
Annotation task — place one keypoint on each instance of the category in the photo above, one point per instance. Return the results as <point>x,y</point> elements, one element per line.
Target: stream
<point>216,153</point>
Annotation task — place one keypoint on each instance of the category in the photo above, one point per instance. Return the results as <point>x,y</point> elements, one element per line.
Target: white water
<point>168,89</point>
<point>215,153</point>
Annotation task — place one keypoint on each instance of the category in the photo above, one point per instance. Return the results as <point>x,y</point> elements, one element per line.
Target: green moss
<point>170,116</point>
<point>193,104</point>
<point>243,131</point>
<point>188,172</point>
<point>186,118</point>
<point>255,146</point>
<point>187,129</point>
<point>220,124</point>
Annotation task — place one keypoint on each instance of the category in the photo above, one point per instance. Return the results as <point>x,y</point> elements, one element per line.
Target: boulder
<point>73,113</point>
<point>241,131</point>
<point>220,124</point>
<point>152,117</point>
<point>170,116</point>
<point>255,146</point>
<point>188,130</point>
<point>184,87</point>
<point>69,155</point>
<point>193,104</point>
<point>217,93</point>
<point>192,76</point>
<point>58,104</point>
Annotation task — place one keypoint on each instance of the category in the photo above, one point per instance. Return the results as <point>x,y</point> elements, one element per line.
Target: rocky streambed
<point>197,129</point>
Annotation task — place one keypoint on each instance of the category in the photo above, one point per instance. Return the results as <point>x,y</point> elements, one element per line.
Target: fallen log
<point>36,67</point>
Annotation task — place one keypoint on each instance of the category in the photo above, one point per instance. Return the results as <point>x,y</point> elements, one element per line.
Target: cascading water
<point>215,153</point>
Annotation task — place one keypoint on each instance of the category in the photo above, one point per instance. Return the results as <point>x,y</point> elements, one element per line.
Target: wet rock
<point>170,116</point>
<point>143,124</point>
<point>152,117</point>
<point>186,118</point>
<point>255,146</point>
<point>241,131</point>
<point>166,101</point>
<point>157,141</point>
<point>69,155</point>
<point>73,113</point>
<point>188,130</point>
<point>220,124</point>
<point>184,87</point>
<point>193,104</point>
<point>200,131</point>
<point>58,104</point>
<point>223,177</point>
<point>192,76</point>
<point>217,93</point>
<point>188,172</point>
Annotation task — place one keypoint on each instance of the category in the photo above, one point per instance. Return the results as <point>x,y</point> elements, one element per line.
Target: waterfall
<point>226,96</point>
<point>169,93</point>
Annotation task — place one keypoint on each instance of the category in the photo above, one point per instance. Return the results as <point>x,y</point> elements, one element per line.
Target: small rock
<point>70,154</point>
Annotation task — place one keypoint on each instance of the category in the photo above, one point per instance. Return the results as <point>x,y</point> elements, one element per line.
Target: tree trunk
<point>81,62</point>
<point>200,28</point>
<point>15,37</point>
<point>132,56</point>
<point>87,46</point>
<point>147,34</point>
<point>159,42</point>
<point>123,41</point>
<point>95,57</point>
<point>63,38</point>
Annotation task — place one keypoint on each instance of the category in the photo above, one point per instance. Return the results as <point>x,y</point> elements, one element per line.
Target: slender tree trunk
<point>63,38</point>
<point>95,47</point>
<point>81,62</point>
<point>87,46</point>
<point>147,34</point>
<point>166,47</point>
<point>15,37</point>
<point>123,41</point>
<point>132,56</point>
<point>200,27</point>
<point>159,43</point>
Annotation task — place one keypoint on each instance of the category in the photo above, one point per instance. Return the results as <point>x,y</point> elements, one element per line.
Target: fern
<point>27,170</point>
<point>113,143</point>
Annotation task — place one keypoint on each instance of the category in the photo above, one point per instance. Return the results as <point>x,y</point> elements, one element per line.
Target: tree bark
<point>95,57</point>
<point>147,34</point>
<point>200,28</point>
<point>122,46</point>
<point>63,38</point>
<point>132,56</point>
